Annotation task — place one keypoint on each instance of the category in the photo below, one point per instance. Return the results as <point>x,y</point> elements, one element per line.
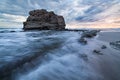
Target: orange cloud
<point>93,25</point>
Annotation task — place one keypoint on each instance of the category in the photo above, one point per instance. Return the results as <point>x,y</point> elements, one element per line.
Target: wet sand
<point>109,62</point>
<point>109,36</point>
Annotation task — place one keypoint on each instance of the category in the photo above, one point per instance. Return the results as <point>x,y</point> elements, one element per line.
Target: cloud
<point>13,18</point>
<point>111,14</point>
<point>77,11</point>
<point>9,20</point>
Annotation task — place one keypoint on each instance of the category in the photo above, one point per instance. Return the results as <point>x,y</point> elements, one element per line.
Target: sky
<point>77,13</point>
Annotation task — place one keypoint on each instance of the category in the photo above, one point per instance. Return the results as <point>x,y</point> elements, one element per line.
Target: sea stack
<point>44,20</point>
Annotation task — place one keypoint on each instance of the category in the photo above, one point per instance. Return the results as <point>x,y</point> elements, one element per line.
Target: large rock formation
<point>44,20</point>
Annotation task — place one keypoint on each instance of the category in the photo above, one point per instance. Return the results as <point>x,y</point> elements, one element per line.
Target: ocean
<point>47,55</point>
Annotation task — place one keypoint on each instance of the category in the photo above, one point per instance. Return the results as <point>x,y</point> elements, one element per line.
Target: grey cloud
<point>72,10</point>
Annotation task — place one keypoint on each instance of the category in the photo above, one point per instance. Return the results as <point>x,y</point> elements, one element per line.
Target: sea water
<point>47,55</point>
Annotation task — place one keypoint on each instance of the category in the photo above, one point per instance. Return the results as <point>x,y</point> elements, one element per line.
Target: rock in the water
<point>44,20</point>
<point>115,45</point>
<point>82,41</point>
<point>83,56</point>
<point>103,47</point>
<point>97,52</point>
<point>89,34</point>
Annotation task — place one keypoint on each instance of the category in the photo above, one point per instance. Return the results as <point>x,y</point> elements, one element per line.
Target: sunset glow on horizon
<point>99,25</point>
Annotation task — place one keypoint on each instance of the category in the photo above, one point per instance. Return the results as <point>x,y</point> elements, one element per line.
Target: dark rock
<point>44,20</point>
<point>97,52</point>
<point>12,31</point>
<point>89,34</point>
<point>84,56</point>
<point>82,41</point>
<point>115,45</point>
<point>2,31</point>
<point>103,47</point>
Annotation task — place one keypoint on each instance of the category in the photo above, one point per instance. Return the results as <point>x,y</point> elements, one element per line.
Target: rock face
<point>44,20</point>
